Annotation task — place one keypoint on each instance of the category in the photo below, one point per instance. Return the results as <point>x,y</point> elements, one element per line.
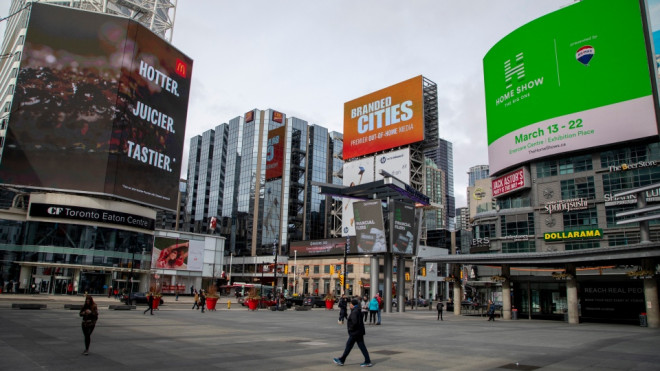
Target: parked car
<point>264,302</point>
<point>314,301</point>
<point>294,300</point>
<point>137,298</point>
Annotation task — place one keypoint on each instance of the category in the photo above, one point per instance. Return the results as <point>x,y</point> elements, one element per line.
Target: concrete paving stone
<point>177,338</point>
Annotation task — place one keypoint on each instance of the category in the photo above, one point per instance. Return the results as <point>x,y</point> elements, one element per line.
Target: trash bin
<point>642,320</point>
<point>514,313</point>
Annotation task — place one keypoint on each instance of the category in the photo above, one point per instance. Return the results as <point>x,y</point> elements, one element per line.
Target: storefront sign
<point>510,182</point>
<point>633,166</point>
<point>78,213</point>
<point>651,196</point>
<point>567,205</point>
<point>573,235</point>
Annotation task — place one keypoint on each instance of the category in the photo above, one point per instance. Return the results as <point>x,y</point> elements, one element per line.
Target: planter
<point>156,302</point>
<point>211,303</point>
<point>252,304</point>
<point>329,304</point>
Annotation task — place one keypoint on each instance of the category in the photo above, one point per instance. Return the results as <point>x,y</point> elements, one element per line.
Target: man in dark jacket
<point>150,303</point>
<point>356,332</point>
<point>343,304</point>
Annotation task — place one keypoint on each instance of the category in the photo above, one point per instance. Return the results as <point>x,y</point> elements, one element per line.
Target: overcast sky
<point>307,58</point>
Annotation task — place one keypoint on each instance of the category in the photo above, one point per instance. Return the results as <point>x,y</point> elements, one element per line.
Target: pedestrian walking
<point>90,314</point>
<point>439,307</point>
<point>381,305</point>
<point>150,304</point>
<point>110,291</point>
<point>364,308</point>
<point>373,310</point>
<point>202,300</point>
<point>356,333</point>
<point>491,311</point>
<point>195,300</point>
<point>343,304</point>
<point>192,290</point>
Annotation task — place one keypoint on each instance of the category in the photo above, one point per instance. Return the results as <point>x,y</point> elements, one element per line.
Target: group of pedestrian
<point>200,300</point>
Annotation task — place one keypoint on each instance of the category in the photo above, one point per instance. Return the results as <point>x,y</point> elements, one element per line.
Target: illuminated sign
<point>100,107</point>
<point>385,119</point>
<point>249,116</point>
<point>177,254</point>
<point>573,235</point>
<point>567,205</point>
<point>275,153</point>
<point>551,89</point>
<point>369,227</point>
<point>277,117</point>
<point>510,182</point>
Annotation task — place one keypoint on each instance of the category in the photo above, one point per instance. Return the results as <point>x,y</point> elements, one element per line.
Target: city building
<point>443,156</point>
<point>463,218</point>
<point>81,184</point>
<point>477,172</point>
<point>566,226</point>
<point>251,181</point>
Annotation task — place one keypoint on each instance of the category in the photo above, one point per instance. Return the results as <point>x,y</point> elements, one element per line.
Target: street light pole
<point>343,289</point>
<point>130,279</point>
<point>277,300</point>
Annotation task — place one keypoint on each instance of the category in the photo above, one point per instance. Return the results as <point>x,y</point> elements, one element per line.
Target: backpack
<point>380,303</point>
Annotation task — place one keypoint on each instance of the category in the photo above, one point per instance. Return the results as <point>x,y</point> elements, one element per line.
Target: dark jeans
<point>149,308</point>
<point>87,331</point>
<point>439,314</point>
<point>349,345</point>
<point>365,314</point>
<point>372,316</point>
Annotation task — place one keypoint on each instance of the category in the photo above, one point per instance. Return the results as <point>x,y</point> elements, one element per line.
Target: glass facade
<point>228,172</point>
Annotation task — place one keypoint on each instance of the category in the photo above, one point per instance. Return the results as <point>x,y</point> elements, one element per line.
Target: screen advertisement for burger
<point>100,107</point>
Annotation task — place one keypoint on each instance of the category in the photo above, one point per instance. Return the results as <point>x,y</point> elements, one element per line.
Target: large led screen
<point>369,227</point>
<point>100,107</point>
<point>356,172</point>
<point>177,254</point>
<point>404,228</point>
<point>573,79</point>
<point>384,119</point>
<point>329,247</point>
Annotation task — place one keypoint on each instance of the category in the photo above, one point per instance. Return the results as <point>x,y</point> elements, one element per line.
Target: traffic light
<point>407,276</point>
<point>286,269</point>
<point>306,271</point>
<point>332,270</point>
<point>423,271</point>
<point>341,279</point>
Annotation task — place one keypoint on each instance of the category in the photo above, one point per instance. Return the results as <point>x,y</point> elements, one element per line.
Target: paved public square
<point>178,338</point>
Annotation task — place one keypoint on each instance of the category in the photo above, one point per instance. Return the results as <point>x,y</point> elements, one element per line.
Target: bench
<point>28,306</point>
<point>121,307</point>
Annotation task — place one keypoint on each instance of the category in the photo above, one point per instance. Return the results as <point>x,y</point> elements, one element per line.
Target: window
<point>366,268</point>
<point>326,269</point>
<point>317,269</point>
<point>622,239</point>
<point>517,225</point>
<point>518,247</point>
<point>578,188</point>
<point>581,219</point>
<point>564,166</point>
<point>582,245</point>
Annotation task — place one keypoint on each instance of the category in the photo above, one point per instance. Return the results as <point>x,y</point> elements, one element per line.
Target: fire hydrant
<point>228,304</point>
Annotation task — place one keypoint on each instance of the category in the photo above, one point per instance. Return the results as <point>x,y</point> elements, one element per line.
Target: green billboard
<point>576,78</point>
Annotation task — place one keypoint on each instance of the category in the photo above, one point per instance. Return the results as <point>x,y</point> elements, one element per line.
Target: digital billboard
<point>369,227</point>
<point>384,119</point>
<point>355,173</point>
<point>569,81</point>
<point>404,228</point>
<point>275,153</point>
<point>396,163</point>
<point>177,254</point>
<point>328,247</point>
<point>100,107</point>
